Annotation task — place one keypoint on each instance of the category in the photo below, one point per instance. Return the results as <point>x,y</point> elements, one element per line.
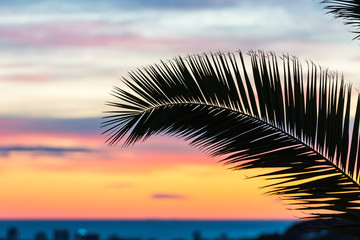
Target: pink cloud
<point>155,153</point>
<point>152,155</point>
<point>96,34</point>
<point>105,34</point>
<point>76,34</point>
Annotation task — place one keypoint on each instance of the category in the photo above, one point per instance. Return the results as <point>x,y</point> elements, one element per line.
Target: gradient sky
<point>58,63</point>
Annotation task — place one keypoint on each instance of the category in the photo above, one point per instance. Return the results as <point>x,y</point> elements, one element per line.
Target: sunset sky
<point>58,63</point>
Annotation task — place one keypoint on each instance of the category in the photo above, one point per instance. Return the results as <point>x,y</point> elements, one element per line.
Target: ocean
<point>145,229</point>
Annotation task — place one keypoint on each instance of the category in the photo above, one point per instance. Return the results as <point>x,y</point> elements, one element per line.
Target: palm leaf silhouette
<point>269,114</point>
<point>349,10</point>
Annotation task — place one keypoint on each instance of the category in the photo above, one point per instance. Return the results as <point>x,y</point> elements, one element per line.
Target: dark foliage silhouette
<point>258,111</point>
<point>348,10</point>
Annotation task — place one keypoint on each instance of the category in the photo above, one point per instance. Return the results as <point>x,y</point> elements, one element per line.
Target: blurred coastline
<point>168,230</point>
<point>137,229</point>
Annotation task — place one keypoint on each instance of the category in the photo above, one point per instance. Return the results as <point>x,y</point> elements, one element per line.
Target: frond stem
<point>341,171</point>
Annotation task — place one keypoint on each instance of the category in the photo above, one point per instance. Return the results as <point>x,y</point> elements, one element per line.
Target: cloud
<point>81,35</point>
<point>42,150</point>
<point>198,4</point>
<point>65,35</point>
<point>142,28</point>
<point>167,196</point>
<point>87,126</point>
<point>184,4</point>
<point>68,5</point>
<point>111,5</point>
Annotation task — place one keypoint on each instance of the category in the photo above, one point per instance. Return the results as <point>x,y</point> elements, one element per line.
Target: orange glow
<point>128,183</point>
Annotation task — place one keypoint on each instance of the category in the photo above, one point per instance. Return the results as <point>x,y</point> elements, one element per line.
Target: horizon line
<point>149,219</point>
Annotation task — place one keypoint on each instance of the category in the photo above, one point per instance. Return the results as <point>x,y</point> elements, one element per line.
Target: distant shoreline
<point>143,219</point>
<point>158,229</point>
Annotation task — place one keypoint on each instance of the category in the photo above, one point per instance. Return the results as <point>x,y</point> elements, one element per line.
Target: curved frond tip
<point>348,10</point>
<point>257,111</point>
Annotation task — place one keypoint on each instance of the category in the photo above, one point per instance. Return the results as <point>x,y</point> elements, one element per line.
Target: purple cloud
<point>167,196</point>
<point>83,126</point>
<point>43,150</point>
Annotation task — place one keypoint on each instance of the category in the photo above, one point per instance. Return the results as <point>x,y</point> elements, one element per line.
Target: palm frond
<point>297,123</point>
<point>348,10</point>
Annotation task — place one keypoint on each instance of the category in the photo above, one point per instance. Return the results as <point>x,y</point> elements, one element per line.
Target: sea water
<point>145,229</point>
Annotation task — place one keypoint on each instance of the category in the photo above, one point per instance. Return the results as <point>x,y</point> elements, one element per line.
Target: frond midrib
<point>263,122</point>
